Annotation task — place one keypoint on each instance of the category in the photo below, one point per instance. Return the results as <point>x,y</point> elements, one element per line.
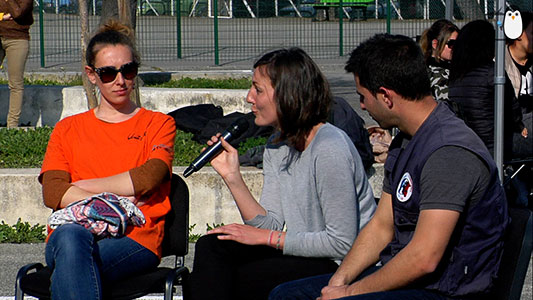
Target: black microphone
<point>236,129</point>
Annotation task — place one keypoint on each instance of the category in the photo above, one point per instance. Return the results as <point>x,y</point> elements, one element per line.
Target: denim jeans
<point>309,289</point>
<point>81,263</point>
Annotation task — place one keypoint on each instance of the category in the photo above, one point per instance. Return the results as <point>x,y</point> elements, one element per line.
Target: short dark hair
<point>111,33</point>
<point>391,61</point>
<point>301,92</point>
<point>527,18</point>
<point>474,47</point>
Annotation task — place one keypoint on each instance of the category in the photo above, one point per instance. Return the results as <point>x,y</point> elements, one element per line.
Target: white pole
<point>295,8</point>
<point>449,10</point>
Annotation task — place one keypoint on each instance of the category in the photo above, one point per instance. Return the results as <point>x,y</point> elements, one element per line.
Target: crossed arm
<point>58,191</point>
<point>420,257</point>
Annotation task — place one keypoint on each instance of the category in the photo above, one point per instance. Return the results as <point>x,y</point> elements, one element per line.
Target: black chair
<point>162,279</point>
<point>516,256</point>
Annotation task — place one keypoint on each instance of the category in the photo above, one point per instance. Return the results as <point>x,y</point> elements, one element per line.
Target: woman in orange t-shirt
<point>118,148</point>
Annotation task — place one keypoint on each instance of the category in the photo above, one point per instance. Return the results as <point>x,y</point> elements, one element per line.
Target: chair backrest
<point>516,255</point>
<point>176,239</point>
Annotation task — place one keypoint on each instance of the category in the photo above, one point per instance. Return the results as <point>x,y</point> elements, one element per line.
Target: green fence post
<point>388,15</point>
<point>341,35</point>
<point>178,26</point>
<point>41,32</point>
<point>215,16</point>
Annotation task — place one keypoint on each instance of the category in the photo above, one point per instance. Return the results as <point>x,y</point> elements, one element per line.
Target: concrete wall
<point>210,200</point>
<point>46,105</point>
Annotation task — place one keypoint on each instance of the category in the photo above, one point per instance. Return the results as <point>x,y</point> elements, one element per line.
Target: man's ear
<point>387,96</point>
<point>90,74</point>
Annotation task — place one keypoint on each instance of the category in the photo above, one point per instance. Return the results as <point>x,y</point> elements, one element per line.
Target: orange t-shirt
<point>87,148</point>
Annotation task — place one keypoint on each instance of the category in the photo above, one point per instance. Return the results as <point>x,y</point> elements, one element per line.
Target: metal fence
<point>222,31</point>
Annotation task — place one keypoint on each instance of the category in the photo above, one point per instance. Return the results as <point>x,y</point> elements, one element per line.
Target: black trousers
<point>230,270</point>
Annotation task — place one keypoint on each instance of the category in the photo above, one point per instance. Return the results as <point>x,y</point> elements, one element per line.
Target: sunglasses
<point>108,74</point>
<point>450,43</point>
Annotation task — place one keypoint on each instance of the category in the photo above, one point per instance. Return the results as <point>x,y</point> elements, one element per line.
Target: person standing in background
<point>471,86</point>
<point>15,21</point>
<point>437,42</point>
<point>519,70</point>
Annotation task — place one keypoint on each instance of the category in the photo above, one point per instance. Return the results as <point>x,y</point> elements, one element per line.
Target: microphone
<point>236,129</point>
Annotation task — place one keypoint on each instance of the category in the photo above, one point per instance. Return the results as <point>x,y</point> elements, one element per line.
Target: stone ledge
<point>46,105</point>
<point>210,199</point>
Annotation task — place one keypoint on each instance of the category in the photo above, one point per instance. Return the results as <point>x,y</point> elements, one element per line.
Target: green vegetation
<point>22,232</point>
<point>23,148</point>
<point>193,237</point>
<point>26,148</point>
<point>205,83</point>
<point>47,82</point>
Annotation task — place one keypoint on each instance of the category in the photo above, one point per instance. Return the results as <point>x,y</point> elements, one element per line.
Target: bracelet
<point>279,240</point>
<point>1,16</point>
<point>270,237</point>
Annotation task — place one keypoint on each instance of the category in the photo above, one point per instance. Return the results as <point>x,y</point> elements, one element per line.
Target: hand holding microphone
<point>236,129</point>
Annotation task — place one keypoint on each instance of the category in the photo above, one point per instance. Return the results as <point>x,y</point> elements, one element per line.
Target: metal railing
<point>222,31</point>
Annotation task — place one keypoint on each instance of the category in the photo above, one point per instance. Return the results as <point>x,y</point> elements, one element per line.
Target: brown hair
<point>301,93</point>
<point>111,33</point>
<point>441,31</point>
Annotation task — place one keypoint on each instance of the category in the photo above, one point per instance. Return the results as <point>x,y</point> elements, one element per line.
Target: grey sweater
<point>323,197</point>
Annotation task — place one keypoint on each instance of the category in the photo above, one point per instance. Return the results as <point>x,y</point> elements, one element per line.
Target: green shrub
<point>204,83</point>
<point>23,148</point>
<point>251,143</point>
<point>22,232</point>
<point>26,148</point>
<point>185,149</point>
<point>193,237</point>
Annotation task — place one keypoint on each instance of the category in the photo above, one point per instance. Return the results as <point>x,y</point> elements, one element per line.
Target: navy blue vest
<point>471,260</point>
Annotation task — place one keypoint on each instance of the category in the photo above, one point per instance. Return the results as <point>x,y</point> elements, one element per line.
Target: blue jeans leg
<point>80,263</point>
<point>413,294</point>
<point>123,257</point>
<point>70,252</point>
<point>307,288</point>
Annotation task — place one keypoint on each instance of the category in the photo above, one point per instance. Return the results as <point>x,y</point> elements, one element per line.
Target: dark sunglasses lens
<point>451,43</point>
<point>129,71</point>
<point>107,74</point>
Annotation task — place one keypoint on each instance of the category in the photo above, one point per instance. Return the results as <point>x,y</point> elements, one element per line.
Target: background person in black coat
<point>471,89</point>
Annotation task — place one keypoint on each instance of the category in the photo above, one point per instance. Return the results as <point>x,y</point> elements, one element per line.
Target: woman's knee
<point>209,243</point>
<point>71,237</point>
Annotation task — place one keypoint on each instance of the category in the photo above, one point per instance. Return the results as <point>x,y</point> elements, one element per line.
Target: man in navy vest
<point>438,229</point>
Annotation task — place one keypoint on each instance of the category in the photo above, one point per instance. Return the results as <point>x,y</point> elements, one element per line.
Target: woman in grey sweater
<point>315,199</point>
